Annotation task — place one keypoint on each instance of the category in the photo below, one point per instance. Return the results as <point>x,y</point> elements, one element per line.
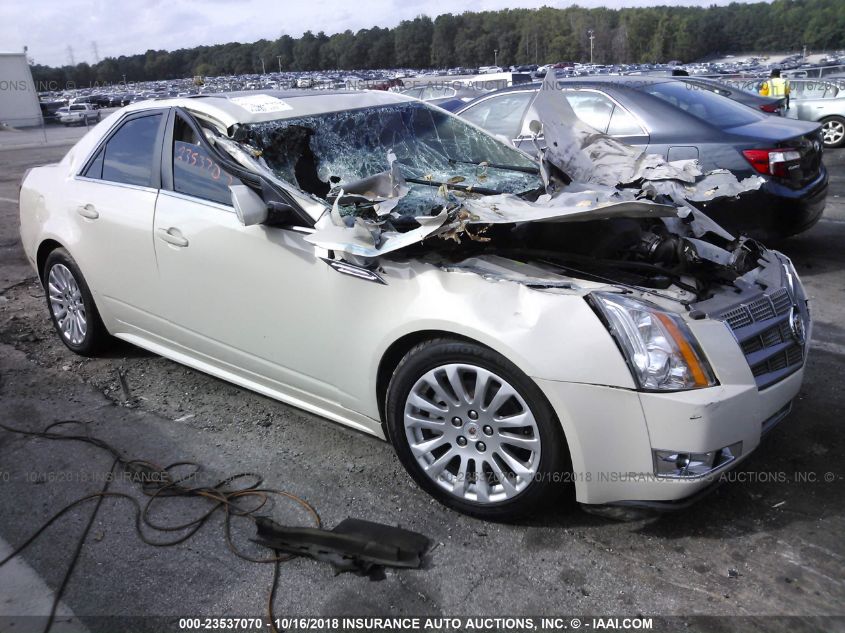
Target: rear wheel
<point>833,131</point>
<point>473,430</point>
<point>71,305</point>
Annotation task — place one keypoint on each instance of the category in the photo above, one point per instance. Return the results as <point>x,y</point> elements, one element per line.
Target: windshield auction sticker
<point>261,103</point>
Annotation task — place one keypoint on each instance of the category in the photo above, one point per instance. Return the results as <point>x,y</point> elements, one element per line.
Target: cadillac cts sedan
<point>317,248</point>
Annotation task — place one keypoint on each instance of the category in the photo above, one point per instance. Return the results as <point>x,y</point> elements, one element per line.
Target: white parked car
<point>78,113</point>
<point>296,244</point>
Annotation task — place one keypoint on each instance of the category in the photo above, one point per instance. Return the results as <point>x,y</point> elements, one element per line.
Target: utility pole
<point>805,52</point>
<point>263,70</point>
<point>495,56</point>
<point>70,58</point>
<point>96,52</point>
<point>279,57</point>
<point>592,37</point>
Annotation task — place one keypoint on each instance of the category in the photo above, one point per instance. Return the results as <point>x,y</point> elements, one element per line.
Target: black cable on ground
<point>159,482</point>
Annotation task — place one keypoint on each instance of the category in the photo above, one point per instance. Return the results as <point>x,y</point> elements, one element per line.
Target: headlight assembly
<point>661,351</point>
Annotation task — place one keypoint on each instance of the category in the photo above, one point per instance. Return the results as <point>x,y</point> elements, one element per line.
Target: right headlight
<point>660,349</point>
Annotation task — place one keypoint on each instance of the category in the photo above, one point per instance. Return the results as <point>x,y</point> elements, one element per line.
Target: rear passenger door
<point>112,202</point>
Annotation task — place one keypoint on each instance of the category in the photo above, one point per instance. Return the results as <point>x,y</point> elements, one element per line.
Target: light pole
<point>263,70</point>
<point>495,56</point>
<point>279,57</point>
<point>592,37</point>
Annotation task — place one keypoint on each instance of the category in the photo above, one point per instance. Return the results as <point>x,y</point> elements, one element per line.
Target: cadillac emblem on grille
<point>797,324</point>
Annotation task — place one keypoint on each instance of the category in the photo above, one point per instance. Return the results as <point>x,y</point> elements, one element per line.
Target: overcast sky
<point>48,27</point>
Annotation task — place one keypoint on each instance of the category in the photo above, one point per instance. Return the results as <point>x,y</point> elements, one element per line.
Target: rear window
<point>703,104</point>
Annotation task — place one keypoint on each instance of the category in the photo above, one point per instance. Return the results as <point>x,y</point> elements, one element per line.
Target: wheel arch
<point>46,247</point>
<point>397,350</point>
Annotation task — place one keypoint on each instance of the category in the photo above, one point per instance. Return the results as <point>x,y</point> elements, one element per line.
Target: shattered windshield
<point>324,152</point>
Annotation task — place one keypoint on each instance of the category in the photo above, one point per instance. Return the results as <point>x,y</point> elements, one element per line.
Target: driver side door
<point>245,300</point>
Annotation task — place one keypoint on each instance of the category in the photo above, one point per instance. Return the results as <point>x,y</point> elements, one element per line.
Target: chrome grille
<point>781,301</point>
<point>762,310</point>
<point>763,329</point>
<point>793,355</point>
<point>738,317</point>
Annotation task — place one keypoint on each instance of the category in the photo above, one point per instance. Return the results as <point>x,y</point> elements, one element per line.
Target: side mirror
<point>249,206</point>
<point>280,214</point>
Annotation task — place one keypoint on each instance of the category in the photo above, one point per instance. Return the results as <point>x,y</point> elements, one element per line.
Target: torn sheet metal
<point>566,207</point>
<point>383,191</point>
<point>719,183</point>
<point>590,156</point>
<point>362,240</point>
<point>354,545</point>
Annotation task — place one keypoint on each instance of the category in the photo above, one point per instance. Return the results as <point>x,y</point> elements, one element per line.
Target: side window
<point>129,154</point>
<point>413,92</point>
<point>500,115</point>
<point>623,123</point>
<point>195,173</point>
<point>95,169</point>
<point>592,108</point>
<point>437,92</point>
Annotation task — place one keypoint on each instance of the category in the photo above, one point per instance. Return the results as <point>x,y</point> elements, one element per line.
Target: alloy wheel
<point>833,132</point>
<point>472,433</point>
<point>66,304</point>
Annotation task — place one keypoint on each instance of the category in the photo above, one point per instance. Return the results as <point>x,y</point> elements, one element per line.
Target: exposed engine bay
<point>636,252</point>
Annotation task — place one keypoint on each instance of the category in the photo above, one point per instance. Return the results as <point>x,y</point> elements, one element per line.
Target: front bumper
<point>613,433</point>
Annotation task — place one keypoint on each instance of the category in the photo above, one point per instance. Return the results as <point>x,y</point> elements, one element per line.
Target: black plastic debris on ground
<point>355,545</point>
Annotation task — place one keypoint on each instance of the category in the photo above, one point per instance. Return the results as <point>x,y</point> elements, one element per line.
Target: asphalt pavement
<point>768,543</point>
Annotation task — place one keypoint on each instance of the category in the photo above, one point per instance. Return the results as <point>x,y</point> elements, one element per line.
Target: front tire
<point>71,305</point>
<point>473,430</point>
<point>833,131</point>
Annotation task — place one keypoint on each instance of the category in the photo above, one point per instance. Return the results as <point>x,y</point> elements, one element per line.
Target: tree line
<point>519,36</point>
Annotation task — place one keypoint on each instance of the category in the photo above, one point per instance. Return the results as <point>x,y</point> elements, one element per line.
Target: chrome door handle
<point>172,236</point>
<point>88,211</point>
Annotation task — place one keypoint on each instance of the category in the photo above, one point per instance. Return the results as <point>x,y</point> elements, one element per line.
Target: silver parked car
<point>81,113</point>
<point>822,101</point>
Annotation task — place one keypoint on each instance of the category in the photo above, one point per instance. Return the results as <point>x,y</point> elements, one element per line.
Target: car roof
<point>257,106</point>
<point>625,80</point>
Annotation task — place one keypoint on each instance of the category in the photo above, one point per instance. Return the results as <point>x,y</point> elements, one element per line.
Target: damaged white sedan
<point>379,262</point>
